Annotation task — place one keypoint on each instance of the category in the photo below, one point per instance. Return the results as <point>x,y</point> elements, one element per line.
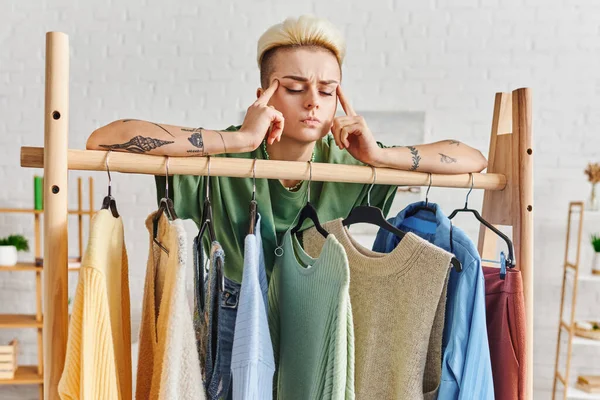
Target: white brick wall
<point>194,64</point>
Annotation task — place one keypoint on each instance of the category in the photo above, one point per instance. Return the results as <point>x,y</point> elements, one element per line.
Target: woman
<point>292,119</point>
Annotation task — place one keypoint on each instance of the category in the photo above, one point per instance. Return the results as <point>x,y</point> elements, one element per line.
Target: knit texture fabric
<point>252,361</point>
<point>398,302</point>
<point>310,319</point>
<point>168,364</point>
<point>98,359</point>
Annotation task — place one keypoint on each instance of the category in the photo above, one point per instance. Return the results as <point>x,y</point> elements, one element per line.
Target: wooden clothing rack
<point>508,186</point>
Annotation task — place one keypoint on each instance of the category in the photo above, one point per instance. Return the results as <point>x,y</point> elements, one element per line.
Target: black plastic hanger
<point>309,211</point>
<point>253,203</point>
<point>374,215</point>
<point>371,215</point>
<point>109,201</point>
<point>207,226</point>
<point>510,260</point>
<point>165,207</point>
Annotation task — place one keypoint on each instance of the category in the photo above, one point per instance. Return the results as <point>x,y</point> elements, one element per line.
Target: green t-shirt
<point>278,207</point>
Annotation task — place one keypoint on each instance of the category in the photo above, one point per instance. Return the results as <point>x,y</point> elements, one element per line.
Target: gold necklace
<point>296,186</point>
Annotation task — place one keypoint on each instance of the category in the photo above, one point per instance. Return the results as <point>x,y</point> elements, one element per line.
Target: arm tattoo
<point>456,142</point>
<point>138,144</point>
<point>197,141</point>
<point>169,133</point>
<point>415,158</point>
<point>446,159</point>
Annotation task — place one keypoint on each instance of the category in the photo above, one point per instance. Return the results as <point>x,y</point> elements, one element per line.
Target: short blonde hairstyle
<point>306,30</point>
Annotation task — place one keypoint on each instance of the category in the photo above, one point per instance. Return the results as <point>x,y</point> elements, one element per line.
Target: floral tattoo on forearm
<point>416,158</point>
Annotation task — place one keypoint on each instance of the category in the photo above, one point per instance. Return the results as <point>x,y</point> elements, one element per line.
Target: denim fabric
<point>216,326</point>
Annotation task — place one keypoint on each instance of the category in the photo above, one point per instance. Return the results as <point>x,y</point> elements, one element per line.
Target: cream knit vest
<point>398,302</point>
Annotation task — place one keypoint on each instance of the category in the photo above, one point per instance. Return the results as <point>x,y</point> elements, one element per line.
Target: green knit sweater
<point>310,320</point>
<point>398,304</point>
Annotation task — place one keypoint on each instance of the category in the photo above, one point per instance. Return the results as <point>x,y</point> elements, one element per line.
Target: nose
<point>312,98</point>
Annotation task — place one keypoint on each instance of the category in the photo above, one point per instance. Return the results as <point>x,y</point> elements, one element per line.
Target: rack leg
<point>56,119</point>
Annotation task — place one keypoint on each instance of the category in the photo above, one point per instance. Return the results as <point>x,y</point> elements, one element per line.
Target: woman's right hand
<point>263,120</point>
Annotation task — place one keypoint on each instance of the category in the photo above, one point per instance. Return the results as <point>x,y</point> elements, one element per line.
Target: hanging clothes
<point>168,364</point>
<point>98,359</point>
<point>217,325</point>
<point>252,360</point>
<point>310,320</point>
<point>278,205</point>
<point>398,302</point>
<point>466,365</point>
<point>505,307</point>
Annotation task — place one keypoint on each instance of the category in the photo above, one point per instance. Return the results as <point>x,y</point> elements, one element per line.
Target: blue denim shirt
<point>466,365</point>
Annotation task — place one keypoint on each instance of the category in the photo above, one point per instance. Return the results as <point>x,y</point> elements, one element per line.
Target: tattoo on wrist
<point>456,142</point>
<point>416,158</point>
<point>161,127</point>
<point>138,144</point>
<point>446,159</point>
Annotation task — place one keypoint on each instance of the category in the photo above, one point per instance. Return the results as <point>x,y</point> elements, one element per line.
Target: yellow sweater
<point>98,359</point>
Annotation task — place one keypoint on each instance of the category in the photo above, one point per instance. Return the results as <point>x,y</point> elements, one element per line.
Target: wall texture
<point>193,63</point>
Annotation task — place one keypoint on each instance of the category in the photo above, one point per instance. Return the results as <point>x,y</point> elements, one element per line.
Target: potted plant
<point>596,260</point>
<point>9,247</point>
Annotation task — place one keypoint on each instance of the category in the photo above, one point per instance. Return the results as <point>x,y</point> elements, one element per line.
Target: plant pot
<point>8,256</point>
<point>596,263</point>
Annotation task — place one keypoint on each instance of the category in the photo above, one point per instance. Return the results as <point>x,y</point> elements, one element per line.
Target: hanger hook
<point>372,184</point>
<point>167,178</point>
<point>470,190</point>
<point>428,187</point>
<point>309,178</point>
<point>108,171</point>
<point>254,180</point>
<point>208,179</point>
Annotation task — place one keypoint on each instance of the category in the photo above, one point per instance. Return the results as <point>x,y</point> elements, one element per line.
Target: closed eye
<point>299,91</point>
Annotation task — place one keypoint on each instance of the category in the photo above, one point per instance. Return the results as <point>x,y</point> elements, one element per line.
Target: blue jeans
<point>216,327</point>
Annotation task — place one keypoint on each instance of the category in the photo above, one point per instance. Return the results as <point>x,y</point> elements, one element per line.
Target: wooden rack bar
<point>92,160</point>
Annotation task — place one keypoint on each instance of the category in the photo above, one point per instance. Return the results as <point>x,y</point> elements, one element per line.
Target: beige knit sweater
<point>168,364</point>
<point>398,304</point>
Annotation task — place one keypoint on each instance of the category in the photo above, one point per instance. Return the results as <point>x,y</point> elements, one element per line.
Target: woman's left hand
<point>352,133</point>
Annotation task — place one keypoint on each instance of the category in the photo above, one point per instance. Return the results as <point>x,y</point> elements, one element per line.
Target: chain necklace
<point>296,186</point>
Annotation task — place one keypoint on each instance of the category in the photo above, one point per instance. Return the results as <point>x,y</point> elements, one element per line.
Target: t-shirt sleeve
<point>186,191</point>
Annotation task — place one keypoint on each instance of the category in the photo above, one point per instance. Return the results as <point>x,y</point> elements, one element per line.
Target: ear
<point>259,91</point>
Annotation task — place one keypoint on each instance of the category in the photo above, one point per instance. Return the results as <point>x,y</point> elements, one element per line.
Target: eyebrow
<point>303,79</point>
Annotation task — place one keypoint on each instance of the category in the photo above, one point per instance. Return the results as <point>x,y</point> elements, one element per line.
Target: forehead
<point>310,62</point>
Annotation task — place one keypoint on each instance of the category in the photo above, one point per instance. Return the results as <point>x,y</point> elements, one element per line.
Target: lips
<point>311,119</point>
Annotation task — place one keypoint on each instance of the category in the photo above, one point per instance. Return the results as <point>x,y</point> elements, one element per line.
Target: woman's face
<point>308,78</point>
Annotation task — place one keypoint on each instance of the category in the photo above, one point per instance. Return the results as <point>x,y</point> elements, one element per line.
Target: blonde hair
<point>306,30</point>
